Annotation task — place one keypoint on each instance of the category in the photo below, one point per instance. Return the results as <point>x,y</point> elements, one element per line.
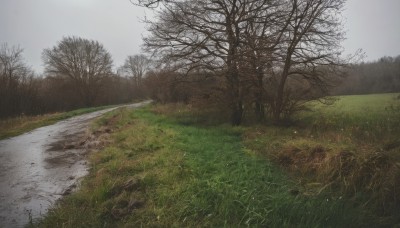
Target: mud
<point>41,166</point>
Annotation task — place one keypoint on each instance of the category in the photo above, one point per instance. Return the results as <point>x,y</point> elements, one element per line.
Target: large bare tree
<point>280,52</point>
<point>84,62</point>
<point>208,35</point>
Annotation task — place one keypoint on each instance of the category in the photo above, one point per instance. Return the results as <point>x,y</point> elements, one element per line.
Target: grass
<point>351,148</point>
<point>19,125</point>
<point>167,171</point>
<point>368,117</point>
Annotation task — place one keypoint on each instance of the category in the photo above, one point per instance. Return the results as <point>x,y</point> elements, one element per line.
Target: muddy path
<point>39,167</point>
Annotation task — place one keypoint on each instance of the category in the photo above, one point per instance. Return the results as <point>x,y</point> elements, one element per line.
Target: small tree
<point>17,84</point>
<point>136,67</point>
<point>84,62</point>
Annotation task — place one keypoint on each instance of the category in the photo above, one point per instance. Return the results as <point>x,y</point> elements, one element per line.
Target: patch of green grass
<point>19,125</point>
<point>159,172</point>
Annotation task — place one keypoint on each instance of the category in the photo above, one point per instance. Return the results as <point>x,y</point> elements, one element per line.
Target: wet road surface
<point>37,168</point>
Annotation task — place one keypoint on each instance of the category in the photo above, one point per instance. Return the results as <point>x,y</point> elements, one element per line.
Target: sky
<point>34,25</point>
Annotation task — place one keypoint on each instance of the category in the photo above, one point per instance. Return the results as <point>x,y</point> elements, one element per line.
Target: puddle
<point>39,167</point>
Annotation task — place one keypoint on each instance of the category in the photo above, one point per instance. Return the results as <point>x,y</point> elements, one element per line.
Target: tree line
<point>78,73</point>
<point>381,76</point>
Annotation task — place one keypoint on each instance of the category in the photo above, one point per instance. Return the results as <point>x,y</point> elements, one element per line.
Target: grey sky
<point>371,25</point>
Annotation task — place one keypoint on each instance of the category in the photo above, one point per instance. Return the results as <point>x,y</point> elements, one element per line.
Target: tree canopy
<point>85,62</point>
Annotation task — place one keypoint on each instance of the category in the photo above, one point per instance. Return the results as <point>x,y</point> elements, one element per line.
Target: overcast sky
<point>34,25</point>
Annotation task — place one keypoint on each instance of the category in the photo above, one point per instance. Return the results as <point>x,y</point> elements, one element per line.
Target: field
<point>336,166</point>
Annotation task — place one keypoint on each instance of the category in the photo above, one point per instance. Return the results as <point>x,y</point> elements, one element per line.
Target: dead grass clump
<point>379,175</point>
<point>304,158</point>
<point>340,168</point>
<point>375,175</point>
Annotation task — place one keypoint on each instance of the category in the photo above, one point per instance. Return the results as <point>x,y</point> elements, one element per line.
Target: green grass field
<point>164,168</point>
<point>359,104</point>
<point>377,113</point>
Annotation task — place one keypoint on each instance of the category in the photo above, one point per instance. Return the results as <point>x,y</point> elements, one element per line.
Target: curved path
<point>38,167</point>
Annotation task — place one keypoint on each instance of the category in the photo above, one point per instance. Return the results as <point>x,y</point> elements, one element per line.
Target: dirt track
<point>39,167</point>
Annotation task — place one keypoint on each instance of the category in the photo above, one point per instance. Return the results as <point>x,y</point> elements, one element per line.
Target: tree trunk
<point>237,114</point>
<point>278,108</point>
<point>259,98</point>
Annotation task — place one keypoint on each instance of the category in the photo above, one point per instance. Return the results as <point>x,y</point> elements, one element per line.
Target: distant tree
<point>86,63</point>
<point>381,76</point>
<point>17,84</point>
<point>136,67</point>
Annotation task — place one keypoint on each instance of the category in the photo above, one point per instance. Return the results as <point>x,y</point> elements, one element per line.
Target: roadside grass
<point>19,125</point>
<point>160,171</point>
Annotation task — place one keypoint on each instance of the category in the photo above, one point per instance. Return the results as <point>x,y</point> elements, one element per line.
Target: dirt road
<point>39,167</point>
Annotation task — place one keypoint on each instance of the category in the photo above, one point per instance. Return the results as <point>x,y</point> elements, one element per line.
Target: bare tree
<point>208,35</point>
<point>136,67</point>
<point>148,3</point>
<point>84,62</point>
<point>310,50</point>
<point>16,82</point>
<point>281,52</point>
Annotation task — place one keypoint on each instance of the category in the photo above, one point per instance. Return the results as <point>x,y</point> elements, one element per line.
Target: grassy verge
<point>19,125</point>
<point>160,171</point>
